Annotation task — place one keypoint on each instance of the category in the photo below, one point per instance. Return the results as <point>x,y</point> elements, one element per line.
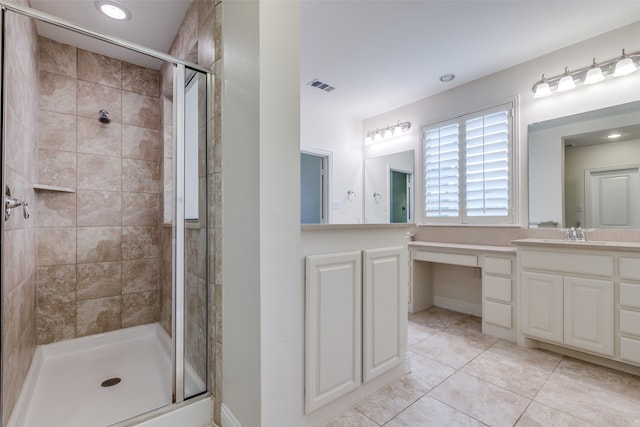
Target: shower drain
<point>111,382</point>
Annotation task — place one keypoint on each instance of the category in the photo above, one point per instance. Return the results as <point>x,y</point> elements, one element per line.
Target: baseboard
<point>459,306</point>
<point>227,418</point>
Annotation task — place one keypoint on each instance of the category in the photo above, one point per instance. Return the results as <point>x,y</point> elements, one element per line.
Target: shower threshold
<point>97,380</point>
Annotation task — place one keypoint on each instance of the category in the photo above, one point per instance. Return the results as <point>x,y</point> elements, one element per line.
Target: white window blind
<point>442,171</point>
<point>487,165</point>
<point>468,168</point>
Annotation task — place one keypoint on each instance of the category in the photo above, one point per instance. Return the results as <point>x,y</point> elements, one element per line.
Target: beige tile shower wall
<point>98,247</point>
<point>199,40</point>
<point>19,234</point>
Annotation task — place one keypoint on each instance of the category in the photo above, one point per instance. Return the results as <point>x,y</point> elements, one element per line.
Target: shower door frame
<point>180,67</point>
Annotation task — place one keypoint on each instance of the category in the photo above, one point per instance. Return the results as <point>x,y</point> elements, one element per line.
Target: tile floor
<point>460,377</point>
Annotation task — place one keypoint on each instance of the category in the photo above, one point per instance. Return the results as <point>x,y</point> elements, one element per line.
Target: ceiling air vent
<point>321,85</point>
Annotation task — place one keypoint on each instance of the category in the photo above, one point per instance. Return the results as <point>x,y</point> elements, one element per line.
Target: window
<point>468,168</point>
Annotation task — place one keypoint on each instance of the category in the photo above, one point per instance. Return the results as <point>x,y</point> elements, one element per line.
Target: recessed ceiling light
<point>113,10</point>
<point>447,77</point>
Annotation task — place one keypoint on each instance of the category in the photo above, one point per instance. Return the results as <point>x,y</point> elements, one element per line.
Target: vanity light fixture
<point>113,10</point>
<point>387,132</point>
<point>594,73</point>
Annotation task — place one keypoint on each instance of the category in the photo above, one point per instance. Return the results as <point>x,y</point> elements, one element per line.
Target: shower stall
<point>109,228</point>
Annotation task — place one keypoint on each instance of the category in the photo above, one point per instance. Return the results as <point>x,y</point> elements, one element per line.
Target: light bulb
<point>387,133</point>
<point>377,137</point>
<point>566,83</point>
<point>542,89</point>
<point>368,140</point>
<point>624,66</point>
<point>113,10</point>
<point>594,75</point>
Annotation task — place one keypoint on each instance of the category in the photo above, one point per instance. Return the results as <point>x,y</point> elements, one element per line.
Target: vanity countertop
<point>568,244</point>
<point>458,247</point>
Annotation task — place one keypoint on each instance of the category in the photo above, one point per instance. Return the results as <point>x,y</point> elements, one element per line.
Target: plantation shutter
<point>442,171</point>
<point>468,168</point>
<point>487,164</point>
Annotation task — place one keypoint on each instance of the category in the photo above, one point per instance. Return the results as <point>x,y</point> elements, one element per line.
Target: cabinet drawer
<point>630,268</point>
<point>447,258</point>
<point>496,265</point>
<point>630,349</point>
<point>497,314</point>
<point>630,295</point>
<point>498,288</point>
<point>566,262</point>
<point>630,322</point>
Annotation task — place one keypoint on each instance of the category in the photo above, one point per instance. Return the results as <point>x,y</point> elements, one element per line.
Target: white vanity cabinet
<point>583,296</point>
<point>498,296</point>
<point>629,301</point>
<point>333,327</point>
<point>355,321</point>
<point>568,298</point>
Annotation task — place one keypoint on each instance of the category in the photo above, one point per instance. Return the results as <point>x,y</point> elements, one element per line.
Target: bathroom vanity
<point>355,279</point>
<point>497,263</point>
<point>581,296</point>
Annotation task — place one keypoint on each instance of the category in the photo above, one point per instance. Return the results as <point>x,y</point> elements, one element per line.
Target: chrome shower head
<point>103,117</point>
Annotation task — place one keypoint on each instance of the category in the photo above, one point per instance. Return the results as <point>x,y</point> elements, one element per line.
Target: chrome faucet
<point>570,234</point>
<point>576,235</point>
<point>12,203</point>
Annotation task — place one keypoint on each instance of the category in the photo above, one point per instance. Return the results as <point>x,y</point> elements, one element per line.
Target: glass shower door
<point>192,230</point>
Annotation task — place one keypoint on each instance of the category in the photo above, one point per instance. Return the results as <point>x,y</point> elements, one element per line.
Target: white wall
<point>241,376</point>
<point>518,81</point>
<point>262,297</point>
<point>328,130</point>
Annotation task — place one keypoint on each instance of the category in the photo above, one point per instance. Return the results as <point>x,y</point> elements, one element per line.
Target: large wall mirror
<point>388,188</point>
<point>584,169</point>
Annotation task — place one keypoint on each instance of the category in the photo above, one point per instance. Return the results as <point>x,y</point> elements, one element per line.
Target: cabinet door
<point>542,308</point>
<point>384,311</point>
<point>332,327</point>
<point>589,316</point>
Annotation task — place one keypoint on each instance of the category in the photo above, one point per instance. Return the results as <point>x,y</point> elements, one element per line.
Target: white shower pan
<point>64,384</point>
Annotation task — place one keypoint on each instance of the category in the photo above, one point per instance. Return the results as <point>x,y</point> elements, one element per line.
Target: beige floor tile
<point>436,317</point>
<point>425,373</point>
<point>595,394</point>
<point>473,323</point>
<point>417,333</point>
<point>481,400</point>
<point>389,402</point>
<point>455,346</point>
<point>428,412</point>
<point>539,415</point>
<point>352,418</point>
<point>518,369</point>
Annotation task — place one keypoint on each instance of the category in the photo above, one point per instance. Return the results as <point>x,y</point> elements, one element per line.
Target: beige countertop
<point>461,247</point>
<point>572,244</point>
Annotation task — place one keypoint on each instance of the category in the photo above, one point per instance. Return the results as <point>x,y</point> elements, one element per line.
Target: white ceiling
<point>153,24</point>
<point>379,54</point>
<point>384,54</point>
